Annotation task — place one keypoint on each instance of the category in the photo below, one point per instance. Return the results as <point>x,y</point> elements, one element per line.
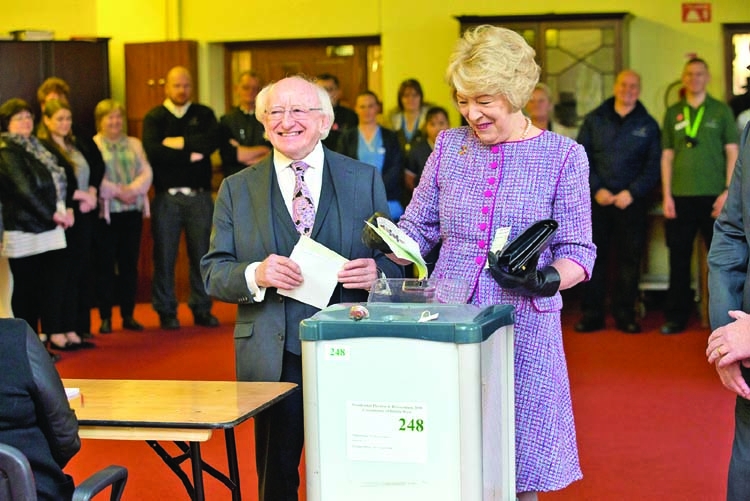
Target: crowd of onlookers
<point>72,207</point>
<point>74,201</point>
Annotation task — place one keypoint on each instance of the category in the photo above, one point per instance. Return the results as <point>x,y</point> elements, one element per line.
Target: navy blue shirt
<point>624,152</point>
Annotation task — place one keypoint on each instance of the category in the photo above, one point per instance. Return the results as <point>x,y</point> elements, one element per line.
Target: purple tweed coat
<point>466,192</point>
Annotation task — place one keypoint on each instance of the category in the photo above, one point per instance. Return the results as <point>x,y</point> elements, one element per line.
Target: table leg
<point>234,470</point>
<point>191,451</point>
<point>197,463</point>
<point>174,464</point>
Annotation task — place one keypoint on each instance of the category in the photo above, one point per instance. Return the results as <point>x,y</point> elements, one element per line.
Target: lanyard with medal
<point>691,130</point>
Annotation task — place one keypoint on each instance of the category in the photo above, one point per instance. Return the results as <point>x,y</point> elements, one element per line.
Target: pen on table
<point>81,399</point>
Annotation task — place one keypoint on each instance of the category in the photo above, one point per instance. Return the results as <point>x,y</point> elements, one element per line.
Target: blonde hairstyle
<point>104,108</point>
<point>489,60</point>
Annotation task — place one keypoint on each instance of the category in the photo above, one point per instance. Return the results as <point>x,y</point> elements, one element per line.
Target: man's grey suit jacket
<point>244,231</point>
<point>728,274</point>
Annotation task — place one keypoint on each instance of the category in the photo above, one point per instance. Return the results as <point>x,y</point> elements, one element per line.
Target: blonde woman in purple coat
<point>501,174</point>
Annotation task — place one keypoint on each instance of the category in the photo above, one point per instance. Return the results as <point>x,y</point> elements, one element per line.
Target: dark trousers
<point>117,247</point>
<point>620,236</point>
<point>279,437</point>
<point>39,288</point>
<point>693,215</point>
<point>170,215</point>
<point>738,484</point>
<point>77,300</point>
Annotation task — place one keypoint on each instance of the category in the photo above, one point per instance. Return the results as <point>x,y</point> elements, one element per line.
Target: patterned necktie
<point>303,208</point>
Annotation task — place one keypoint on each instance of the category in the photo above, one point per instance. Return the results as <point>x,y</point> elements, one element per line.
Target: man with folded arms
<point>179,137</point>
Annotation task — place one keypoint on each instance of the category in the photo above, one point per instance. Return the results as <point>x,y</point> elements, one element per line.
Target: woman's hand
<point>65,219</point>
<point>370,237</point>
<point>528,282</point>
<point>127,195</point>
<point>86,199</point>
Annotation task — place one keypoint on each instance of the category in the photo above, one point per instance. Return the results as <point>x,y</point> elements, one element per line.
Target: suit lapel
<point>339,191</point>
<point>342,176</point>
<point>258,183</point>
<point>327,197</point>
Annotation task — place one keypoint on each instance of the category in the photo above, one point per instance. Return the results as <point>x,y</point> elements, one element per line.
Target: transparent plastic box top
<point>413,290</point>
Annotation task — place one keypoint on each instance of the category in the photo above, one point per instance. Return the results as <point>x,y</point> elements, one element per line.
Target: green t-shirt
<point>702,169</point>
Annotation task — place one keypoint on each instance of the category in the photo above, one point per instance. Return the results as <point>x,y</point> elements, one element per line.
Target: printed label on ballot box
<point>394,432</point>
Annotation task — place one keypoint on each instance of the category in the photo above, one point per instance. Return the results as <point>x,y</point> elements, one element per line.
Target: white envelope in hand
<point>320,267</point>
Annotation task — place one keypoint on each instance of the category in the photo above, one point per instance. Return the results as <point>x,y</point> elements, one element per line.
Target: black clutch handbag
<point>529,244</point>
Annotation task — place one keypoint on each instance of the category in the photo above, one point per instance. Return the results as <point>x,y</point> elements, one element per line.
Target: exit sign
<point>696,12</point>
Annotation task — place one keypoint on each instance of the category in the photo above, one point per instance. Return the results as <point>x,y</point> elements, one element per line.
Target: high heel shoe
<point>67,346</point>
<point>76,342</point>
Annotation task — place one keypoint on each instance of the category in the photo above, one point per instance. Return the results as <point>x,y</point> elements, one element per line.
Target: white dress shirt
<point>286,178</point>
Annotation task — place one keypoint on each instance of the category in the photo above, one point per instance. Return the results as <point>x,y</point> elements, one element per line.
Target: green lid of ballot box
<point>411,308</point>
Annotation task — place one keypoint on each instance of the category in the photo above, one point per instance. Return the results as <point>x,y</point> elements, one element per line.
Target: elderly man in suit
<point>257,223</point>
<point>729,303</point>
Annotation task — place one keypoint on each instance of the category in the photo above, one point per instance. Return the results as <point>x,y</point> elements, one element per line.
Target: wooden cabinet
<point>84,65</point>
<point>146,67</point>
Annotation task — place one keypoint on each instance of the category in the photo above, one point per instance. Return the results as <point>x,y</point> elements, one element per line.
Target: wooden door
<point>146,67</point>
<point>345,58</point>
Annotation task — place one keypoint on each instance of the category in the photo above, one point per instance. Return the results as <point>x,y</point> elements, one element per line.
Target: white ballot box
<point>414,402</point>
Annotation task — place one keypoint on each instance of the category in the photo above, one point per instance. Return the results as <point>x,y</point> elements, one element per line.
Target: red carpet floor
<point>653,421</point>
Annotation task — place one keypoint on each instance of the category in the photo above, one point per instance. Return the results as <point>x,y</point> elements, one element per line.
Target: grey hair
<point>261,102</point>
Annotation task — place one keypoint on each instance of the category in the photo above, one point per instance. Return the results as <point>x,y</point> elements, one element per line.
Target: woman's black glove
<point>528,281</point>
<point>371,239</point>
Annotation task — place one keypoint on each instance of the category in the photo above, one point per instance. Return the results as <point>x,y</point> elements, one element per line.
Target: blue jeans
<point>170,215</point>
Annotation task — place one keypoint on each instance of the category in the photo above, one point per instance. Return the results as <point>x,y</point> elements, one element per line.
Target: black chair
<point>17,479</point>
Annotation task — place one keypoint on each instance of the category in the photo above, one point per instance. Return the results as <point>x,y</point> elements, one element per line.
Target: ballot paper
<point>72,392</point>
<point>402,245</point>
<point>320,267</point>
